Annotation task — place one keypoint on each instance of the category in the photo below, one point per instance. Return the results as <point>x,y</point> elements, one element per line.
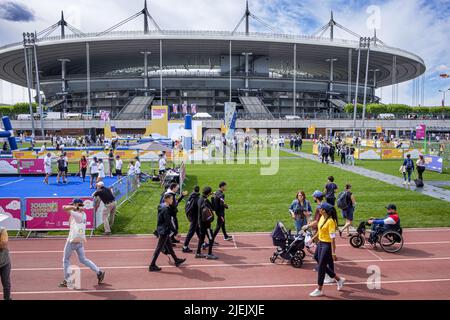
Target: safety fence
<point>47,213</point>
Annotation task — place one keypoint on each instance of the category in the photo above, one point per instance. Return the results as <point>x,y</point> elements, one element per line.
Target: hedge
<point>398,109</point>
<point>18,108</point>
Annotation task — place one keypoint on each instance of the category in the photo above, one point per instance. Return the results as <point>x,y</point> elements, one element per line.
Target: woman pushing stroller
<point>300,210</point>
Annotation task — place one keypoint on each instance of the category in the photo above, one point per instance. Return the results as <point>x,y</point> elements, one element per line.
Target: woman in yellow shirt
<point>326,248</point>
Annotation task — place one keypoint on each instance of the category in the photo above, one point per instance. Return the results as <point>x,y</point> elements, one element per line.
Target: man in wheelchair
<point>390,222</point>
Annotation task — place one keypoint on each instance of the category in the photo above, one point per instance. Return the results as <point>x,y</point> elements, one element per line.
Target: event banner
<point>9,166</point>
<point>48,213</point>
<point>368,154</point>
<point>28,154</point>
<point>31,166</point>
<point>392,154</point>
<point>420,131</point>
<point>10,213</point>
<point>433,163</point>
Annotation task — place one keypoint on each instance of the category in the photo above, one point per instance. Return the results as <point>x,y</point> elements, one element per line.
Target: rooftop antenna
<point>375,39</point>
<point>144,12</point>
<point>246,17</point>
<point>62,23</point>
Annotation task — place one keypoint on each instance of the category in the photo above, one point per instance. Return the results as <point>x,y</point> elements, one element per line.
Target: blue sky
<point>418,26</point>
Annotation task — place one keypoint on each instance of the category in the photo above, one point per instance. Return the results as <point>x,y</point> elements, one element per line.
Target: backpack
<point>207,214</point>
<point>190,206</point>
<point>409,164</point>
<point>342,200</point>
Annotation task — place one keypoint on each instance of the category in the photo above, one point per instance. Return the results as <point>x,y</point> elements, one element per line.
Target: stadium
<point>268,75</point>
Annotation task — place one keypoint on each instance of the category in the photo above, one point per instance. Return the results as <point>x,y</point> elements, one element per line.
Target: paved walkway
<point>428,189</point>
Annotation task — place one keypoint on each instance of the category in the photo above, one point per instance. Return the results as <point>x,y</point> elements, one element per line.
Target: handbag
<point>402,169</point>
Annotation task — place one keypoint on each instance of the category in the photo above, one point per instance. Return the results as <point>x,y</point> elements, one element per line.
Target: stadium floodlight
<point>443,96</point>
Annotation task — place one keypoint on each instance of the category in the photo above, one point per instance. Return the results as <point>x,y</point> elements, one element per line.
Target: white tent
<point>202,115</point>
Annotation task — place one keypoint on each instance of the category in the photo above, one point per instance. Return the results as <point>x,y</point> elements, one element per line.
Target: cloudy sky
<point>419,26</point>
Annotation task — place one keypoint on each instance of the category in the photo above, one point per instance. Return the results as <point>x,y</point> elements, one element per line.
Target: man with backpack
<point>191,210</point>
<point>407,169</point>
<point>205,218</point>
<point>165,227</point>
<point>330,191</point>
<point>220,206</point>
<point>346,202</point>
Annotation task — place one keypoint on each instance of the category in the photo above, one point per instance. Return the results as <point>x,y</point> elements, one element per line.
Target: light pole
<point>374,81</point>
<point>246,54</point>
<point>365,44</point>
<point>146,53</point>
<point>63,81</point>
<point>26,46</point>
<point>443,96</point>
<point>331,87</point>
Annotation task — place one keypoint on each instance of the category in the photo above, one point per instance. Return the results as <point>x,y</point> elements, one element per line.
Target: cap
<point>317,194</point>
<point>325,206</point>
<point>391,207</point>
<point>100,184</point>
<point>77,201</point>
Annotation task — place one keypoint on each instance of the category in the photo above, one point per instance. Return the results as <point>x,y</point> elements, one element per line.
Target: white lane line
<point>268,286</point>
<point>261,264</point>
<point>375,255</point>
<point>234,241</point>
<point>216,248</point>
<point>11,182</point>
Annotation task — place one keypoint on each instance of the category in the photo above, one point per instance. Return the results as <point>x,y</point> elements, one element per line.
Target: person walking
<point>137,170</point>
<point>83,164</point>
<point>75,241</point>
<point>109,210</point>
<point>61,169</point>
<point>420,164</point>
<point>101,170</point>
<point>47,167</point>
<point>347,203</point>
<point>332,150</point>
<point>220,206</point>
<point>66,166</point>
<point>300,210</point>
<point>343,153</point>
<point>111,162</point>
<point>191,210</point>
<point>407,169</point>
<point>351,155</point>
<point>162,162</point>
<point>325,151</point>
<point>291,142</point>
<point>5,264</point>
<point>131,170</point>
<point>118,165</point>
<point>165,228</point>
<point>205,218</point>
<point>93,170</point>
<point>326,249</point>
<point>330,191</point>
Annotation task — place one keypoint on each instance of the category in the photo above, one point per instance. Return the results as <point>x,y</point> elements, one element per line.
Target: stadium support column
<point>146,53</point>
<point>88,78</point>
<point>160,71</point>
<point>38,85</point>
<point>27,71</point>
<point>349,77</point>
<point>367,44</point>
<point>294,93</point>
<point>230,71</point>
<point>63,81</point>
<point>355,102</point>
<point>331,87</point>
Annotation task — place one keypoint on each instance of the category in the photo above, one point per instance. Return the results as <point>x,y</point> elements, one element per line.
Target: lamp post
<point>375,71</point>
<point>146,53</point>
<point>443,96</point>
<point>331,87</point>
<point>246,54</point>
<point>26,46</point>
<point>63,81</point>
<point>365,44</point>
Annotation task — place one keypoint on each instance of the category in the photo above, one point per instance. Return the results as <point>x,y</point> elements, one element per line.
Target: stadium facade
<point>268,75</point>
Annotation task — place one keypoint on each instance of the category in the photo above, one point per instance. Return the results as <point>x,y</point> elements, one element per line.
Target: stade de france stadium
<point>273,75</point>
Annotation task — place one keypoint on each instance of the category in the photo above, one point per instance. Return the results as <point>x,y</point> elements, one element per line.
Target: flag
<point>104,115</point>
<point>193,108</point>
<point>184,106</point>
<point>175,108</point>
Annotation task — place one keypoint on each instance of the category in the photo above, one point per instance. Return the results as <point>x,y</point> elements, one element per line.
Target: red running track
<point>421,270</point>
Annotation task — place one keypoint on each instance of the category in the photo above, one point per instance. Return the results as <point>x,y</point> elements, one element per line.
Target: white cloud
<point>9,222</point>
<point>6,167</point>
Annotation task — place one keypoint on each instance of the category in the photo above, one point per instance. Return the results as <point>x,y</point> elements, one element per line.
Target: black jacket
<point>194,196</point>
<point>165,226</point>
<point>202,202</point>
<point>219,202</point>
<point>174,207</point>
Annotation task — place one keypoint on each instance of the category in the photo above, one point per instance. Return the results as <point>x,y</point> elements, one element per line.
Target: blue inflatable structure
<point>8,133</point>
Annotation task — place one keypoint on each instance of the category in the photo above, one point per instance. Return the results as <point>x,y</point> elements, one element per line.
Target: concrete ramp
<point>134,109</point>
<point>255,107</point>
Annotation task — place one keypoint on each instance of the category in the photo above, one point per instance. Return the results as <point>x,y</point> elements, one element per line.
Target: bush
<point>398,109</point>
<point>18,108</point>
<point>376,109</point>
<point>349,108</point>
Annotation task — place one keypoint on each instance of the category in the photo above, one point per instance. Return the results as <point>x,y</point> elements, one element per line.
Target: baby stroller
<point>289,247</point>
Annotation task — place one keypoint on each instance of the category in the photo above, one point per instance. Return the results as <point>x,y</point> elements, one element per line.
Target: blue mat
<point>25,186</point>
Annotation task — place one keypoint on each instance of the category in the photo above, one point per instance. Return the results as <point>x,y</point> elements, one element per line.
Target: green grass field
<point>258,202</point>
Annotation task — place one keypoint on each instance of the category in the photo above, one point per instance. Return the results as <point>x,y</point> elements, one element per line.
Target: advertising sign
<point>420,131</point>
<point>9,166</point>
<point>48,213</point>
<point>10,210</point>
<point>31,166</point>
<point>433,163</point>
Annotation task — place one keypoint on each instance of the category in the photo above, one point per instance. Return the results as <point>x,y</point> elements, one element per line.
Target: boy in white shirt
<point>119,164</point>
<point>47,167</point>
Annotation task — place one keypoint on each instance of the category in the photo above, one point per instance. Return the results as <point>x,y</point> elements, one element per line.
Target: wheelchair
<point>389,239</point>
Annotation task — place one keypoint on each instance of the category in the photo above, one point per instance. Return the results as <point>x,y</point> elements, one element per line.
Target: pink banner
<point>184,108</point>
<point>9,166</point>
<point>175,108</point>
<point>48,214</point>
<point>420,131</point>
<point>10,213</point>
<point>193,108</point>
<point>31,166</point>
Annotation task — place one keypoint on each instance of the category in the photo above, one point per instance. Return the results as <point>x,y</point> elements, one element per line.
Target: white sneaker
<point>316,293</point>
<point>340,283</point>
<point>328,279</point>
<point>409,183</point>
<point>404,183</point>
